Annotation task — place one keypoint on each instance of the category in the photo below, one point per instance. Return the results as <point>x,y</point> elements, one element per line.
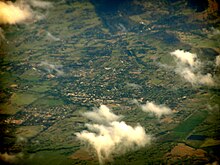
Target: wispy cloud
<point>157,110</point>
<point>52,68</point>
<point>40,4</point>
<point>190,68</point>
<point>52,37</point>
<point>110,136</point>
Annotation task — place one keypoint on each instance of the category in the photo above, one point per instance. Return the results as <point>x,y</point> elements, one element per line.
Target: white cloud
<point>157,110</point>
<point>112,136</point>
<point>196,78</point>
<point>186,57</point>
<point>189,67</point>
<point>12,13</point>
<point>21,11</point>
<point>102,115</point>
<point>188,75</point>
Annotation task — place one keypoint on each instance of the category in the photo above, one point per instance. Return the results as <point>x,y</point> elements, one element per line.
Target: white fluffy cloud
<point>157,110</point>
<point>197,78</point>
<point>12,13</point>
<point>189,67</point>
<point>186,57</point>
<point>102,115</point>
<point>111,136</point>
<point>20,11</point>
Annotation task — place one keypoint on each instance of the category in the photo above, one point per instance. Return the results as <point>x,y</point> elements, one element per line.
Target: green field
<point>189,124</point>
<point>85,53</point>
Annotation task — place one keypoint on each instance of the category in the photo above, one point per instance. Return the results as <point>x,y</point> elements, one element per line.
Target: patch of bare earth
<point>184,152</point>
<point>83,154</point>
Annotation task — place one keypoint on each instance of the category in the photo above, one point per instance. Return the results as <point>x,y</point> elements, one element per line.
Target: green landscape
<point>154,64</point>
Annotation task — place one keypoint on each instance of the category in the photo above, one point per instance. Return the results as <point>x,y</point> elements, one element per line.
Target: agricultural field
<point>111,82</point>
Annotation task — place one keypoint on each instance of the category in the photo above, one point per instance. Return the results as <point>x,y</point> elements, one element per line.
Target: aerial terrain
<point>110,82</point>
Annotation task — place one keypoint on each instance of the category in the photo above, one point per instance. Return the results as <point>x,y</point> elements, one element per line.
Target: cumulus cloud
<point>21,11</point>
<point>157,110</point>
<point>189,67</point>
<point>196,78</point>
<point>12,13</point>
<point>111,136</point>
<point>186,58</point>
<point>102,115</point>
